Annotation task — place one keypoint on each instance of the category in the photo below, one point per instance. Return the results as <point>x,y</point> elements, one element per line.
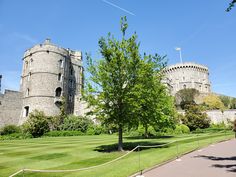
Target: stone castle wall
<point>218,116</point>
<point>187,75</point>
<point>50,73</point>
<point>10,107</point>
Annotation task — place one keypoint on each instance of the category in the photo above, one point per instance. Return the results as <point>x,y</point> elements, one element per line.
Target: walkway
<point>214,161</point>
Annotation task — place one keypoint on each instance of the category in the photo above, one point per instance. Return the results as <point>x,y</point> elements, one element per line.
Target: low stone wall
<point>10,107</point>
<point>217,116</point>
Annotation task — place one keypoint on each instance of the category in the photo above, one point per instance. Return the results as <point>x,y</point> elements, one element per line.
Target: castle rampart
<point>187,75</point>
<point>50,74</point>
<point>10,107</point>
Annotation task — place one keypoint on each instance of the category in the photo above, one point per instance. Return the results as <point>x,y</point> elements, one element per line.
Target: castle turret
<point>187,75</point>
<point>50,73</point>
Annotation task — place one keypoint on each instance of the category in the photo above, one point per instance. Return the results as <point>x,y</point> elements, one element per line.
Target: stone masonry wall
<point>10,107</point>
<point>217,116</point>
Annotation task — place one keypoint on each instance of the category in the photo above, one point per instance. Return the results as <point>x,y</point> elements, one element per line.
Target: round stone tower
<point>50,74</point>
<point>187,75</point>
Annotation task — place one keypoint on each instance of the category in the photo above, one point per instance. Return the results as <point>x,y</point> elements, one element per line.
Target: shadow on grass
<point>150,137</point>
<point>129,146</point>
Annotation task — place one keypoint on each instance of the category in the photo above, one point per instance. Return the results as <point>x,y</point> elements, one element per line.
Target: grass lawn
<point>84,151</point>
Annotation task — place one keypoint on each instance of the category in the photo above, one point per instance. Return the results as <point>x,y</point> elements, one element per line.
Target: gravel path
<point>217,160</point>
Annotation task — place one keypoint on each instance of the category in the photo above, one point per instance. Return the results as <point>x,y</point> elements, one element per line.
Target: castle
<point>50,74</point>
<point>187,75</point>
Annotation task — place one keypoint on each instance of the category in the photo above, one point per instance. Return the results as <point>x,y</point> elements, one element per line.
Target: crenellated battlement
<point>187,75</point>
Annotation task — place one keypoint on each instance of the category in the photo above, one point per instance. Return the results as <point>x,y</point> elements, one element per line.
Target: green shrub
<point>194,118</point>
<point>15,136</point>
<point>234,126</point>
<point>9,129</point>
<point>63,133</point>
<point>37,124</point>
<point>181,129</point>
<point>79,123</point>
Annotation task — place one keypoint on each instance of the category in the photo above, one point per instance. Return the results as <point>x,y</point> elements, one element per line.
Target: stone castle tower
<point>51,73</point>
<point>187,75</point>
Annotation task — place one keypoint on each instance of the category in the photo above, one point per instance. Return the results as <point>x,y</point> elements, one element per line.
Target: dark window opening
<point>26,111</point>
<point>71,71</point>
<point>59,77</point>
<point>58,92</point>
<point>61,63</point>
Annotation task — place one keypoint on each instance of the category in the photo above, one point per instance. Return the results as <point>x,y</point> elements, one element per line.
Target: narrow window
<point>58,92</point>
<point>59,77</point>
<point>31,62</point>
<point>26,111</point>
<point>26,64</point>
<point>184,86</point>
<point>61,63</point>
<point>27,92</point>
<point>29,76</point>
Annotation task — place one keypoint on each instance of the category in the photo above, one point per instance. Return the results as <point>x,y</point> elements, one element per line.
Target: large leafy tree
<point>156,105</point>
<point>213,102</point>
<point>121,84</point>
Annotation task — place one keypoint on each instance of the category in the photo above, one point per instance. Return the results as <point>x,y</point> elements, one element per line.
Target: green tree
<point>37,124</point>
<point>233,103</point>
<point>231,5</point>
<point>116,89</point>
<point>213,102</point>
<point>195,118</point>
<point>225,100</point>
<point>186,97</point>
<point>156,107</point>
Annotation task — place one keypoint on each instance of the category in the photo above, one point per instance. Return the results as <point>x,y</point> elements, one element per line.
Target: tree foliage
<point>186,97</point>
<point>123,87</point>
<point>37,124</point>
<point>79,123</point>
<point>234,126</point>
<point>233,103</point>
<point>231,5</point>
<point>213,102</point>
<point>225,100</point>
<point>9,129</point>
<point>195,118</point>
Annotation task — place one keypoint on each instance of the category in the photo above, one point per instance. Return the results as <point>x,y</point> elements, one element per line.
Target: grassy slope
<point>79,152</point>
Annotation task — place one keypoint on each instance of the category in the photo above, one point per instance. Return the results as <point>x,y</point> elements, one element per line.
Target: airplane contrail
<point>118,7</point>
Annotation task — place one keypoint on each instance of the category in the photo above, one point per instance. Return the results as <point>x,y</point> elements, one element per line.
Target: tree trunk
<point>120,140</point>
<point>146,131</point>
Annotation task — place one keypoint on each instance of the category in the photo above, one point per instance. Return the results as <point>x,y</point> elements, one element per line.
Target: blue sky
<point>202,28</point>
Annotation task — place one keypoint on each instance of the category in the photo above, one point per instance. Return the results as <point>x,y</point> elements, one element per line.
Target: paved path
<point>214,161</point>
